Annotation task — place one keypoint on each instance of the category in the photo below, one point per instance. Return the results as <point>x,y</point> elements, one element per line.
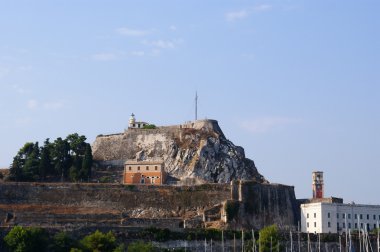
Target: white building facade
<point>322,217</point>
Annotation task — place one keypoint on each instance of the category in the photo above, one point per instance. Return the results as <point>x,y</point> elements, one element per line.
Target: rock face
<point>196,152</point>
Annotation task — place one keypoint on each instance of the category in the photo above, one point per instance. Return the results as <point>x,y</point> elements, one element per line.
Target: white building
<point>136,125</point>
<point>331,215</point>
<point>322,217</point>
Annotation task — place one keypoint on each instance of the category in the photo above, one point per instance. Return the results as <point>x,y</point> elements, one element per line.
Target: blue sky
<point>296,83</point>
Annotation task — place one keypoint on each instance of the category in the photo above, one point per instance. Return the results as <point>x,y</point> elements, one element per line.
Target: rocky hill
<point>196,152</point>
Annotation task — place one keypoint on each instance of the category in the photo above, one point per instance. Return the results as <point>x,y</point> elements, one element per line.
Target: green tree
<point>62,242</point>
<point>140,247</point>
<point>21,239</point>
<point>62,158</point>
<point>32,162</point>
<point>15,170</point>
<point>45,166</point>
<point>25,164</point>
<point>77,144</point>
<point>85,172</point>
<point>99,242</point>
<point>269,239</point>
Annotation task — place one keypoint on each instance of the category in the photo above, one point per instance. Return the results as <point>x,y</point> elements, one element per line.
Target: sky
<point>296,83</point>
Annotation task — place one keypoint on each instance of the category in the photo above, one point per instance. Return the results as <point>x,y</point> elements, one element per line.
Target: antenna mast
<point>196,106</point>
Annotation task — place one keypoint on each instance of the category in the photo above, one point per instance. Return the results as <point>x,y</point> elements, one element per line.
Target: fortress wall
<point>267,204</point>
<point>111,204</point>
<point>104,203</point>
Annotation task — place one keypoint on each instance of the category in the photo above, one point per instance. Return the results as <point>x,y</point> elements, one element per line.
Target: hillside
<point>196,152</point>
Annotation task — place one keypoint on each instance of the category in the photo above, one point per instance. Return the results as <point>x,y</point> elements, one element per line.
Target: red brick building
<point>144,172</point>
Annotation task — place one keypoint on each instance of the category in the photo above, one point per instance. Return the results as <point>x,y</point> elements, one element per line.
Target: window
<point>367,216</point>
<point>328,224</point>
<point>337,215</point>
<point>374,226</point>
<point>138,168</point>
<point>356,225</point>
<point>356,216</point>
<point>328,215</point>
<point>307,215</point>
<point>315,224</point>
<point>361,225</point>
<point>307,224</point>
<point>361,216</point>
<point>379,217</point>
<point>147,168</point>
<point>344,225</point>
<point>349,225</point>
<point>156,167</point>
<point>374,216</point>
<point>130,168</point>
<point>343,216</point>
<point>315,215</point>
<point>349,216</point>
<point>337,225</point>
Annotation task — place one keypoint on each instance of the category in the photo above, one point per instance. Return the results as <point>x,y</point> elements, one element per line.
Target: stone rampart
<point>60,204</point>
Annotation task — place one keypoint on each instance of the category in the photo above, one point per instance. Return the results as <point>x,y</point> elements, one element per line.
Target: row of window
<point>344,225</point>
<point>146,168</point>
<point>149,177</point>
<point>355,216</point>
<point>307,215</point>
<point>348,216</point>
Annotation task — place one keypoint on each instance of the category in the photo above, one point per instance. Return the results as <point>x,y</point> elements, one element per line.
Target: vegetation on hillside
<point>33,239</point>
<point>149,126</point>
<point>269,238</point>
<point>68,159</point>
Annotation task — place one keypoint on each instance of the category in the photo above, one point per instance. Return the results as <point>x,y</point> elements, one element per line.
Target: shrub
<point>21,239</point>
<point>140,247</point>
<point>149,126</point>
<point>99,242</point>
<point>62,242</point>
<point>232,209</point>
<point>269,239</point>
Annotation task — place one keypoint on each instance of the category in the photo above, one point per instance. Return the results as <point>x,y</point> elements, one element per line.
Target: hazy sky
<point>296,83</point>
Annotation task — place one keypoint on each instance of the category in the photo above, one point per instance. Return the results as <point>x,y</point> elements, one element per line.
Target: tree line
<point>68,159</point>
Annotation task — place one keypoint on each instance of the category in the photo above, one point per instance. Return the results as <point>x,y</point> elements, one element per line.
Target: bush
<point>269,239</point>
<point>21,239</point>
<point>62,242</point>
<point>140,247</point>
<point>105,179</point>
<point>232,209</point>
<point>99,242</point>
<point>149,126</point>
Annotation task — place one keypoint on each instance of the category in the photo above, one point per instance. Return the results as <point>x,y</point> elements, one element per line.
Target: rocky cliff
<point>196,152</point>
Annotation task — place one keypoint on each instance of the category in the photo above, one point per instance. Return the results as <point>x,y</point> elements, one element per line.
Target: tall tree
<point>62,158</point>
<point>46,167</point>
<point>87,162</point>
<point>32,162</point>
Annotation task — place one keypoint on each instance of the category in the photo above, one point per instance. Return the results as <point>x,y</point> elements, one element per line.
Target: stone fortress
<point>208,183</point>
<point>196,152</point>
